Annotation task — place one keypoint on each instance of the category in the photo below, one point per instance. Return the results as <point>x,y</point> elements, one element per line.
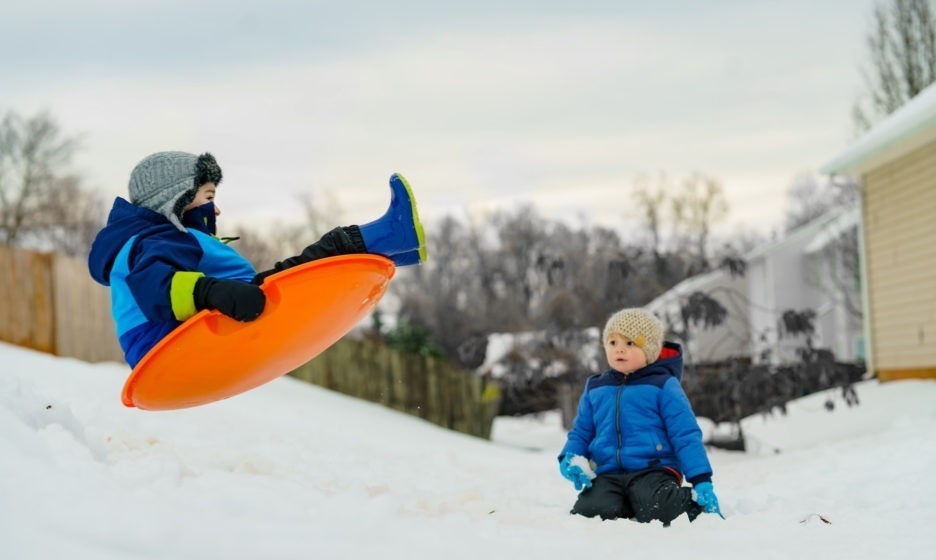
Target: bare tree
<point>320,215</point>
<point>808,198</point>
<point>444,295</point>
<point>698,206</point>
<point>71,220</point>
<point>651,203</point>
<point>836,270</point>
<point>689,212</point>
<point>42,205</point>
<point>516,271</point>
<point>287,238</point>
<point>902,49</point>
<point>806,201</point>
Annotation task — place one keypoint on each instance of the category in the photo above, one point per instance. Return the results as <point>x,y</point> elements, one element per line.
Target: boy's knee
<point>598,502</point>
<point>659,497</point>
<point>603,510</point>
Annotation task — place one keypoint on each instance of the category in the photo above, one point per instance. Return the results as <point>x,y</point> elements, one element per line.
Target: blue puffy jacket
<point>642,420</point>
<point>151,268</point>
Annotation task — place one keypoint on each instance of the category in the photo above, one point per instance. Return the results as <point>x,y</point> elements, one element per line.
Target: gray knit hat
<point>166,182</point>
<point>640,327</point>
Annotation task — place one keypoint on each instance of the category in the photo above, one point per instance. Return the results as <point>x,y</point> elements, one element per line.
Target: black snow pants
<point>339,241</point>
<point>643,496</point>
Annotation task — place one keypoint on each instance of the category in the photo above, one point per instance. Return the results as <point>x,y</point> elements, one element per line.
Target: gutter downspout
<point>865,288</point>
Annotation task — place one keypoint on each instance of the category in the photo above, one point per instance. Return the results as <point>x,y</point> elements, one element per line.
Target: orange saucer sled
<point>212,357</point>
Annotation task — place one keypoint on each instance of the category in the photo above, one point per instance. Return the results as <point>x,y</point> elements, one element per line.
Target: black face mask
<point>201,218</point>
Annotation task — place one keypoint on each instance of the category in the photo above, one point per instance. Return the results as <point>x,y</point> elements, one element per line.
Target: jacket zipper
<point>617,423</point>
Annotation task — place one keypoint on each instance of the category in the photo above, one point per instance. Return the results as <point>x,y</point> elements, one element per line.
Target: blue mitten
<point>705,497</point>
<point>575,473</point>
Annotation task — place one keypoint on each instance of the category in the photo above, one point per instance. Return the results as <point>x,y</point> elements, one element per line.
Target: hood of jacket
<point>670,362</point>
<point>124,221</point>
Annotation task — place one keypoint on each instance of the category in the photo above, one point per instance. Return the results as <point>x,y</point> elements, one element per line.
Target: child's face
<point>206,193</point>
<point>623,355</point>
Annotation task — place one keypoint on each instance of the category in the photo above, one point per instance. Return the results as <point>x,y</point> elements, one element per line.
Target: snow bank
<point>293,471</point>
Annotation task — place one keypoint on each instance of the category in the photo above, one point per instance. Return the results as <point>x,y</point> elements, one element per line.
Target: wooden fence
<point>431,389</point>
<point>50,303</point>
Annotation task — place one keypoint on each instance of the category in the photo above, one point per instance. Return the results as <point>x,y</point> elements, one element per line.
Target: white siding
<point>730,339</point>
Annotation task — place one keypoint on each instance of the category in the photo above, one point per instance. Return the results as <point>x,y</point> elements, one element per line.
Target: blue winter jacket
<point>152,267</point>
<point>638,421</point>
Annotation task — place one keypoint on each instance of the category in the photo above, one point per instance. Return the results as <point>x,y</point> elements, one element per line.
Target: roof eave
<point>907,128</point>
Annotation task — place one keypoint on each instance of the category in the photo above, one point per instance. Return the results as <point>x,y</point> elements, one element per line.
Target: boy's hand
<point>575,468</point>
<point>705,497</point>
<point>261,276</point>
<point>238,300</point>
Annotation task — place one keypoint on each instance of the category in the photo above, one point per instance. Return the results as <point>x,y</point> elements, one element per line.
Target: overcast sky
<point>481,104</point>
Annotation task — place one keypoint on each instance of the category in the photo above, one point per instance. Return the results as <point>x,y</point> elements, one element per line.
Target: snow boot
<point>398,232</point>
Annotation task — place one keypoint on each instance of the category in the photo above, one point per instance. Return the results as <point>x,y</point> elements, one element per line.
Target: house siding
<point>900,230</point>
<point>786,278</point>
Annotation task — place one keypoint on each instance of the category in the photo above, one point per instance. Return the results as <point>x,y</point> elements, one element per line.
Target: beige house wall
<point>900,237</point>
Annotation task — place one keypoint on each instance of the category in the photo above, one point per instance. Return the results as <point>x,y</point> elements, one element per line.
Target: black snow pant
<point>643,496</point>
<point>339,241</point>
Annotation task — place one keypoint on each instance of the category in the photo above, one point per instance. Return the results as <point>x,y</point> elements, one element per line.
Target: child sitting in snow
<point>635,436</point>
<point>163,263</point>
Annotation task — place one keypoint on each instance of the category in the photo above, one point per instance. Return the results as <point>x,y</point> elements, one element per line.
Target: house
<point>805,270</point>
<point>728,340</point>
<point>895,163</point>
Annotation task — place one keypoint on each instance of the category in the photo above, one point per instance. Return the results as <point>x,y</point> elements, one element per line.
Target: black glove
<point>339,241</point>
<point>238,300</point>
<point>261,276</point>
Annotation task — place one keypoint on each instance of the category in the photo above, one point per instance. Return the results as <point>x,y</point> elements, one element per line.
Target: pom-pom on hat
<point>640,327</point>
<point>166,182</point>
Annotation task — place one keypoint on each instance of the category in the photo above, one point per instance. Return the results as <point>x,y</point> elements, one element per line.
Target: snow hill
<point>293,471</point>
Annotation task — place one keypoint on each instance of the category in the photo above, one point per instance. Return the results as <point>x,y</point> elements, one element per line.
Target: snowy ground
<point>293,471</point>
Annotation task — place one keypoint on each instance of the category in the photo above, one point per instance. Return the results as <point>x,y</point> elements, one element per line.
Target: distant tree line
<point>518,271</point>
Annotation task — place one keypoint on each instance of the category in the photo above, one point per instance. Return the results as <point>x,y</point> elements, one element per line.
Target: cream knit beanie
<point>640,327</point>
